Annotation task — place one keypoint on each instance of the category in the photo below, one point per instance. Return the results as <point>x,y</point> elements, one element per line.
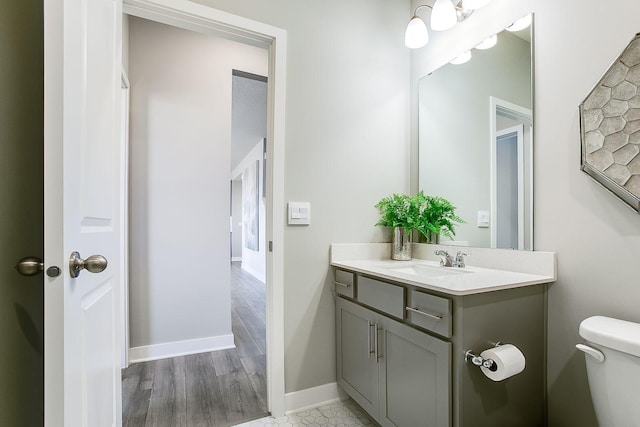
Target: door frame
<point>206,20</point>
<point>518,131</point>
<point>497,106</point>
<point>124,217</point>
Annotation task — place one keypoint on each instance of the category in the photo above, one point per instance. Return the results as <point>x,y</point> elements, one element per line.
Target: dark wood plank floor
<point>220,388</point>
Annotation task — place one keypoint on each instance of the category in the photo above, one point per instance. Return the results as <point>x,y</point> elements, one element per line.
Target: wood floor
<point>220,388</point>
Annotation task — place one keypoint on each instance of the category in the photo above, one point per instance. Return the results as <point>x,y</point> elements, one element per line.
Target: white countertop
<point>428,274</point>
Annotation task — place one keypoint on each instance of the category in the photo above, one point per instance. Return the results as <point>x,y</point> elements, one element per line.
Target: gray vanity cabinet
<point>357,363</point>
<point>398,374</point>
<point>414,377</point>
<point>401,353</point>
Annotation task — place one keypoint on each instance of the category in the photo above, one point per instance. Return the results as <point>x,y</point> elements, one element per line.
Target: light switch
<point>299,213</point>
<point>483,219</point>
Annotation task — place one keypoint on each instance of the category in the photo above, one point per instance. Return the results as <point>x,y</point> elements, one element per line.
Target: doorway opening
<point>511,175</point>
<point>187,320</point>
<point>272,172</point>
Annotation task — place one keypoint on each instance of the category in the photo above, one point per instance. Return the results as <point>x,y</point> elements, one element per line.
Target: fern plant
<point>427,214</point>
<point>436,215</point>
<point>398,210</point>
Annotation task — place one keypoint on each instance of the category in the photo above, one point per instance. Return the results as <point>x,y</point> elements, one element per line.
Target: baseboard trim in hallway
<point>213,388</point>
<point>180,348</point>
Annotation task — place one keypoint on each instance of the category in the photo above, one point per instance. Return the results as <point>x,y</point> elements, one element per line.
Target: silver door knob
<point>93,264</point>
<point>30,266</point>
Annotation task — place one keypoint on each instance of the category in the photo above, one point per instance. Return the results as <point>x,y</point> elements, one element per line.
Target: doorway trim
<point>206,20</point>
<point>497,106</point>
<point>124,217</point>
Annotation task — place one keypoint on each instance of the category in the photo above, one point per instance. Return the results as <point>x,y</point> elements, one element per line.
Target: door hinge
<point>270,246</point>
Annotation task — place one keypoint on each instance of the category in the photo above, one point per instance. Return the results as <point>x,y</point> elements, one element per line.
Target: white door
<point>82,102</point>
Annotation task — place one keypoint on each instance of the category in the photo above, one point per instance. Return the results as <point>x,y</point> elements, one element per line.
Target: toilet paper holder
<point>478,360</point>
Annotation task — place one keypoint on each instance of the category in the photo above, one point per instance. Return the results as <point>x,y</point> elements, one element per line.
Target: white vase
<point>401,244</point>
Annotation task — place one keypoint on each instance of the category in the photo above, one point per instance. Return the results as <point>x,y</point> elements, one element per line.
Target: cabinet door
<point>415,379</point>
<point>356,362</point>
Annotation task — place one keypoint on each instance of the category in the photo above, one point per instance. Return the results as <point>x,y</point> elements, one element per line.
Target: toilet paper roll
<point>508,360</point>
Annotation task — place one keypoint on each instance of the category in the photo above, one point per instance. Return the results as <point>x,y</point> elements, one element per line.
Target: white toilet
<point>613,369</point>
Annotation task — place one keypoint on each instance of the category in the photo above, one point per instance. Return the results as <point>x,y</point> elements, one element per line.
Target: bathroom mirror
<point>475,142</point>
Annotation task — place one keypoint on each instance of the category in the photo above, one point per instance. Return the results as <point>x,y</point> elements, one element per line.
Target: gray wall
<point>248,116</point>
<point>254,261</point>
<point>596,237</point>
<point>21,216</point>
<point>347,121</point>
<point>179,181</point>
<point>248,130</point>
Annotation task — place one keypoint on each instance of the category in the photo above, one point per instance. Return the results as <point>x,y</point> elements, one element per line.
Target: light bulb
<point>462,58</point>
<point>474,4</point>
<point>520,24</point>
<point>488,43</point>
<point>443,15</point>
<point>416,35</point>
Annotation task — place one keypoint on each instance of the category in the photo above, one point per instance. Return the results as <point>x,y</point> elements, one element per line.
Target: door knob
<point>30,266</point>
<point>93,264</point>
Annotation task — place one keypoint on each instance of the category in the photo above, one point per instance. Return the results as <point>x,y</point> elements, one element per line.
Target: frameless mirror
<point>475,142</point>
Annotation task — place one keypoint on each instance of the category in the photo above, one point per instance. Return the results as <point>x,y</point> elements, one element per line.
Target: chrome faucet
<point>447,260</point>
<point>459,261</point>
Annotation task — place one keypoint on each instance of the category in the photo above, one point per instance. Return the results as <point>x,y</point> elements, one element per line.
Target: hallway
<point>208,389</point>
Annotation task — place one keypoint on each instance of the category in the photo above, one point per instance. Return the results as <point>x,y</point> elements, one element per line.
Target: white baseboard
<point>313,397</point>
<point>180,348</point>
<point>236,258</point>
<point>247,267</point>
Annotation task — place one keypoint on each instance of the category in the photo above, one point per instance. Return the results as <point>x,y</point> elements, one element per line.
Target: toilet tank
<point>614,382</point>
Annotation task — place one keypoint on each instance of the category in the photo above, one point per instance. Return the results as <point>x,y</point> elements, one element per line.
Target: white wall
<point>179,186</point>
<point>597,238</point>
<point>236,220</point>
<point>125,43</point>
<point>254,262</point>
<point>347,146</point>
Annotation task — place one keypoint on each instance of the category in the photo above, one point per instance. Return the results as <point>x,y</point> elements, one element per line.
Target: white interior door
<point>82,134</point>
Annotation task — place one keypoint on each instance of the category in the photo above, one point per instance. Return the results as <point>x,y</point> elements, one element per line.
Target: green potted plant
<point>399,212</point>
<point>430,215</point>
<point>435,216</point>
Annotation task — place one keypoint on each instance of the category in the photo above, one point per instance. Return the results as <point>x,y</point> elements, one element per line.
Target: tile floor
<point>339,414</point>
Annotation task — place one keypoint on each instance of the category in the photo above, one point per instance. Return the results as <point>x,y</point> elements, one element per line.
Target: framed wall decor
<point>610,128</point>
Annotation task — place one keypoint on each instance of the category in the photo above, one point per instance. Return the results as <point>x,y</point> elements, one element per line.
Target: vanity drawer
<point>382,295</point>
<point>430,312</point>
<point>345,283</point>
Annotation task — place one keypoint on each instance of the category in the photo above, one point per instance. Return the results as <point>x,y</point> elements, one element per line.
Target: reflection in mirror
<point>475,142</point>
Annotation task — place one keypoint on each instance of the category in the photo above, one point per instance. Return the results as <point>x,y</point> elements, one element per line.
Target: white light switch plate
<point>483,219</point>
<point>299,213</point>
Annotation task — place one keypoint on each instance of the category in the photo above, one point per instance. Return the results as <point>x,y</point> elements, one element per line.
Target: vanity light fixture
<point>416,35</point>
<point>462,58</point>
<point>475,4</point>
<point>444,15</point>
<point>488,43</point>
<point>520,24</point>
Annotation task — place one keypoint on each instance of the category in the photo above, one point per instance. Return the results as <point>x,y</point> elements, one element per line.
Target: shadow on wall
<point>29,329</point>
<point>569,390</point>
<point>312,329</point>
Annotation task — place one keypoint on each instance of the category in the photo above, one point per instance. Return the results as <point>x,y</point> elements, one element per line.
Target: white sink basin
<point>426,271</point>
